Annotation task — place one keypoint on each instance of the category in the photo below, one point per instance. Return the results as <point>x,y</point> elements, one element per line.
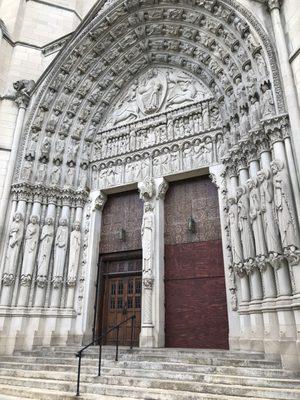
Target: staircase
<point>161,374</point>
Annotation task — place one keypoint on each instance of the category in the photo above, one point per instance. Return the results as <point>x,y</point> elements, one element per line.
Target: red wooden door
<point>196,309</point>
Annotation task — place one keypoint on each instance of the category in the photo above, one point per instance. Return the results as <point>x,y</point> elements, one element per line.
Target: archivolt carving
<point>147,89</point>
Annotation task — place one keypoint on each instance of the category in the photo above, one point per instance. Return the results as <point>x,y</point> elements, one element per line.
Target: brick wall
<point>196,312</point>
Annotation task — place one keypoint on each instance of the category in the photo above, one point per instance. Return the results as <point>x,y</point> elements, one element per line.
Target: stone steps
<point>161,374</point>
<point>88,376</point>
<point>150,366</point>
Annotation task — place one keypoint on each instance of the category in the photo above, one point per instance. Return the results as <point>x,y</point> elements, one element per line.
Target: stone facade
<point>143,93</point>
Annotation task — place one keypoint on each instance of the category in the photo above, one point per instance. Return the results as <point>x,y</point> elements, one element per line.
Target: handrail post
<point>78,374</point>
<point>132,331</point>
<point>100,357</point>
<point>117,344</point>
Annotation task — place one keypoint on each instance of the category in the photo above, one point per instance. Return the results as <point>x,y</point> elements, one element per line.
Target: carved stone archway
<point>149,89</point>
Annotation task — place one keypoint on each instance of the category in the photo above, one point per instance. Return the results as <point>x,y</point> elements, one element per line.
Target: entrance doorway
<point>120,289</point>
<point>196,307</point>
<point>120,267</point>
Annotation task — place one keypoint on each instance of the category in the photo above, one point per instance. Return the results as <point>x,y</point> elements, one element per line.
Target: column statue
<point>268,211</point>
<point>60,250</point>
<point>30,249</point>
<point>75,246</point>
<point>147,240</point>
<point>15,235</point>
<point>245,224</point>
<point>236,246</point>
<point>46,241</point>
<point>284,206</point>
<point>256,216</point>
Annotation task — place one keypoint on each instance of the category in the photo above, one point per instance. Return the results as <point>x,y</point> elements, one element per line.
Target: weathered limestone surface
<point>144,93</point>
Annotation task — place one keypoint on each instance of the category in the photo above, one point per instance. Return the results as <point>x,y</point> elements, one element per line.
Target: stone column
<point>22,102</point>
<point>32,236</point>
<point>147,194</point>
<point>256,291</point>
<point>161,186</point>
<point>287,74</point>
<point>98,199</point>
<point>45,252</point>
<point>61,248</point>
<point>245,324</point>
<point>270,320</point>
<point>74,259</point>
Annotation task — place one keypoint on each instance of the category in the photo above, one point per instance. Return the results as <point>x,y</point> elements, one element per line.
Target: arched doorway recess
<point>118,108</point>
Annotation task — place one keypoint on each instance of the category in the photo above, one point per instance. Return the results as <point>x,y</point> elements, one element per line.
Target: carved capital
<point>71,281</point>
<point>23,90</point>
<point>148,283</point>
<point>25,280</point>
<point>57,282</point>
<point>162,190</point>
<point>99,202</point>
<point>8,279</point>
<point>41,281</point>
<point>147,189</point>
<point>273,4</point>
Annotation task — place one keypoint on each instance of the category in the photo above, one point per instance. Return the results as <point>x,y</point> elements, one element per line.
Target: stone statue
<point>254,113</point>
<point>45,149</point>
<point>266,101</point>
<point>256,216</point>
<point>31,245</point>
<point>150,92</point>
<point>46,241</point>
<point>147,240</point>
<point>55,173</point>
<point>26,170</point>
<point>59,148</point>
<point>284,206</point>
<point>244,123</point>
<point>75,245</point>
<point>41,173</point>
<point>60,248</point>
<point>244,223</point>
<point>236,246</point>
<point>70,176</point>
<point>268,211</point>
<point>15,235</point>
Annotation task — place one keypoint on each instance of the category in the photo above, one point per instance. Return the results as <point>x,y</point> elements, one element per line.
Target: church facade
<point>154,171</point>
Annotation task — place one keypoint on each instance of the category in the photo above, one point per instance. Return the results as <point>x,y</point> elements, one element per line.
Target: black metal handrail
<point>99,340</point>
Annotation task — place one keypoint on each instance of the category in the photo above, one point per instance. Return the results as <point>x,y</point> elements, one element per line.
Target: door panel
<point>122,300</point>
<point>196,307</point>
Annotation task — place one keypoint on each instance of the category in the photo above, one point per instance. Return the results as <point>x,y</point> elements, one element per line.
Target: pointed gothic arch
<point>73,145</point>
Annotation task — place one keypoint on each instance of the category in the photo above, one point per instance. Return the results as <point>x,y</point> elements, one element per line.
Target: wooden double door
<point>120,298</point>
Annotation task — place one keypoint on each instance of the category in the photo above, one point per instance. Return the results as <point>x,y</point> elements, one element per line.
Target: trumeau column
<point>98,200</point>
<point>152,192</point>
<point>22,100</point>
<point>286,73</point>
